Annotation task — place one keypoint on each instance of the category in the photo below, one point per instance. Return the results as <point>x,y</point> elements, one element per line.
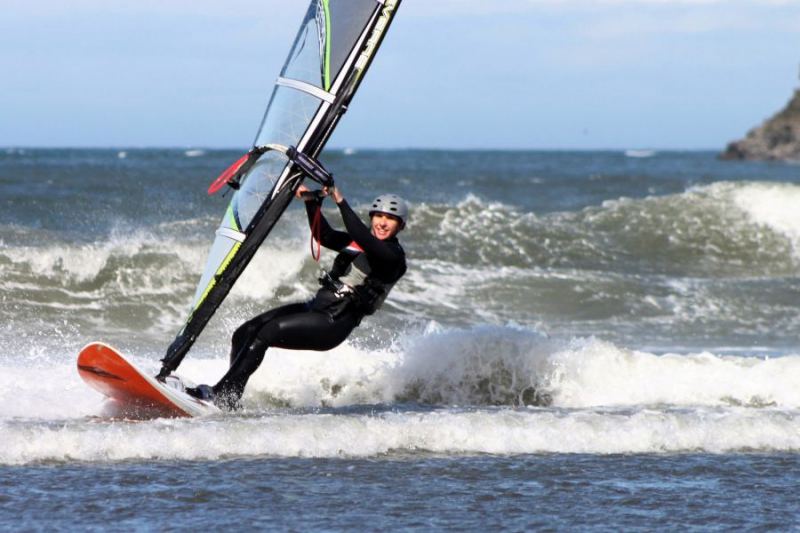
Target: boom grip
<point>310,167</point>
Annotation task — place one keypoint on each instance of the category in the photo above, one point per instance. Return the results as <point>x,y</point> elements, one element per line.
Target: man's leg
<point>242,339</point>
<point>247,332</point>
<point>305,330</point>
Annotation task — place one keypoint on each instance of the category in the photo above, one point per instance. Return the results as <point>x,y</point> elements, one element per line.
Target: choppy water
<point>589,328</point>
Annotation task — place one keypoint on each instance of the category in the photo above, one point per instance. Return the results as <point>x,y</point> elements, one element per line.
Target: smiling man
<point>369,263</point>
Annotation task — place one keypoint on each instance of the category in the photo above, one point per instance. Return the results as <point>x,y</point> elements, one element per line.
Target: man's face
<point>384,226</point>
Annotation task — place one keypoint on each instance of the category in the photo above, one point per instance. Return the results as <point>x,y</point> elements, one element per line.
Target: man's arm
<point>329,237</point>
<point>386,252</point>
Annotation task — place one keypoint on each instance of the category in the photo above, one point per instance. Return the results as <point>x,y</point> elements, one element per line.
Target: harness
<point>352,282</point>
<point>338,288</point>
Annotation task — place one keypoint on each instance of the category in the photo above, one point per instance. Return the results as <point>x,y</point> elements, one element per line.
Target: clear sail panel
<point>328,35</point>
<point>306,61</point>
<point>287,119</point>
<point>222,251</point>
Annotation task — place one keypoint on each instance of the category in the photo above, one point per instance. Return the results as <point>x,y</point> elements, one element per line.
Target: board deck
<point>134,392</point>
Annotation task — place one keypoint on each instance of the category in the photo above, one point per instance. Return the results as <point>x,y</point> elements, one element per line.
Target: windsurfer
<point>369,263</point>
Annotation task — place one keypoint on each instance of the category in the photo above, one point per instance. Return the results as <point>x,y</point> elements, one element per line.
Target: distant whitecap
<point>640,153</point>
<point>194,153</point>
<point>349,151</point>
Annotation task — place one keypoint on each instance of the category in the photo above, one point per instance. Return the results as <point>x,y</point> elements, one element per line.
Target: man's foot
<point>201,392</point>
<point>225,400</point>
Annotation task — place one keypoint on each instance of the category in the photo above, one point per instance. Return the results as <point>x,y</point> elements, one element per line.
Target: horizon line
<point>11,148</point>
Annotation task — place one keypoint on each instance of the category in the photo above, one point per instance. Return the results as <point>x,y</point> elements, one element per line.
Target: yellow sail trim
<point>231,218</point>
<point>225,262</point>
<point>218,273</point>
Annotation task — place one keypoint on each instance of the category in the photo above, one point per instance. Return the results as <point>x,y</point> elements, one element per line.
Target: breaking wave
<point>690,264</point>
<point>723,229</point>
<point>480,390</point>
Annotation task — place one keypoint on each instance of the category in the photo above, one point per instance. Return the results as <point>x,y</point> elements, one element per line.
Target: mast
<point>348,33</point>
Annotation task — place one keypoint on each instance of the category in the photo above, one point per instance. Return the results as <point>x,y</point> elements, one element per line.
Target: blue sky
<point>564,74</point>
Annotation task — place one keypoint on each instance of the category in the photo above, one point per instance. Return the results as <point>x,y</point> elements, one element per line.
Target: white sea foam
<point>503,431</point>
<point>454,288</point>
<point>84,261</point>
<point>67,263</point>
<point>277,264</point>
<point>590,373</point>
<point>774,205</point>
<point>479,366</point>
<point>704,219</point>
<point>597,398</point>
<point>515,366</point>
<point>477,231</point>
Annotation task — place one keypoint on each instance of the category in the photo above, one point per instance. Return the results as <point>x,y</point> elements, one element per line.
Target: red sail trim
<point>228,174</point>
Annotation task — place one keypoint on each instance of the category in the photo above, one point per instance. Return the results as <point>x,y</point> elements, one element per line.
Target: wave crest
<point>726,228</point>
<point>513,366</point>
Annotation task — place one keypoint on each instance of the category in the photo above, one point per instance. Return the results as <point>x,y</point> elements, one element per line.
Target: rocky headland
<point>778,138</point>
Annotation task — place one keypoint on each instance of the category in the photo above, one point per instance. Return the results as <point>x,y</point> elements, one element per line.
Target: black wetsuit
<point>362,275</point>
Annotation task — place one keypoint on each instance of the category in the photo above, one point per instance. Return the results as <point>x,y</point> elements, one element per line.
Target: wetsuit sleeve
<point>374,247</point>
<point>329,237</point>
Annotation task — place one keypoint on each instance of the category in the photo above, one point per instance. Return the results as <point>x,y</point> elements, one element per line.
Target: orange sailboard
<point>133,392</point>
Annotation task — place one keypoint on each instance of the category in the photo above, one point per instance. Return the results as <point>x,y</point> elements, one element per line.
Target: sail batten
<point>333,48</point>
<point>307,88</point>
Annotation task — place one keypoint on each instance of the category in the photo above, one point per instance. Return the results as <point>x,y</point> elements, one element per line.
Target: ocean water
<point>594,340</point>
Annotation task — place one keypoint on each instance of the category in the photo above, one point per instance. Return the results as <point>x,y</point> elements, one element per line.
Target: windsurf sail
<point>333,49</point>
